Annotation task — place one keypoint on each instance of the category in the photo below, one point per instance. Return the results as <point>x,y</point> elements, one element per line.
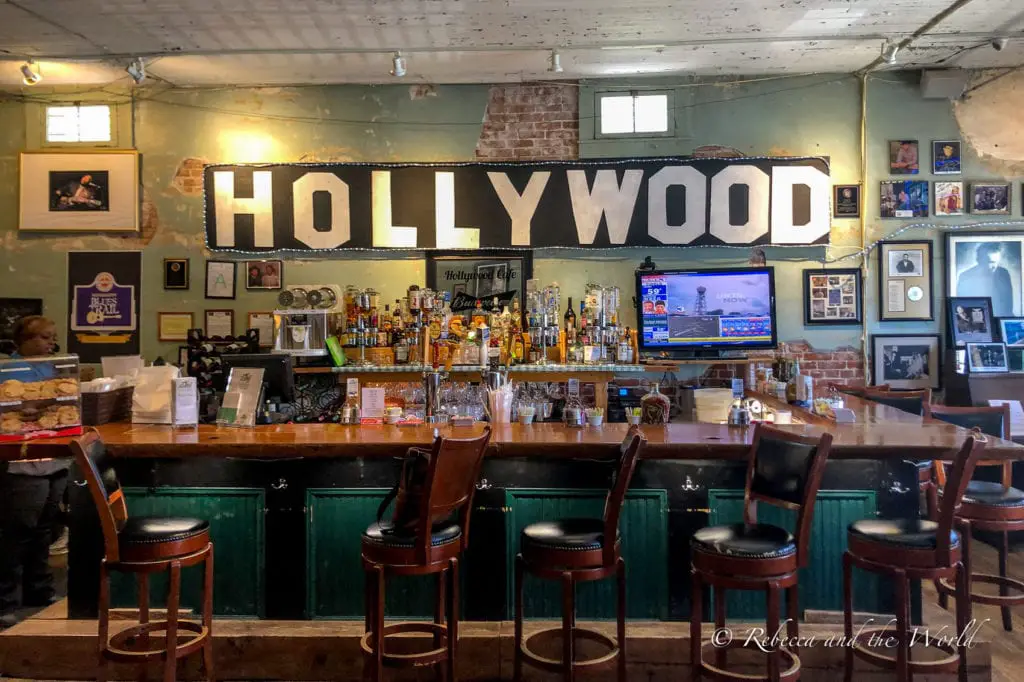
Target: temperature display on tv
<point>704,308</point>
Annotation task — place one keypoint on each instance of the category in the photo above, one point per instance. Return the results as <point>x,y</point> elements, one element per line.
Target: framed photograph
<point>987,358</point>
<point>903,157</point>
<point>946,157</point>
<point>79,191</point>
<point>264,274</point>
<point>176,275</point>
<point>904,199</point>
<point>264,324</point>
<point>480,275</point>
<point>905,280</point>
<point>1011,331</point>
<point>1015,359</point>
<point>949,198</point>
<point>846,201</point>
<point>174,326</point>
<point>219,324</point>
<point>906,361</point>
<point>987,264</point>
<point>970,320</point>
<point>990,198</point>
<point>220,278</point>
<point>833,297</point>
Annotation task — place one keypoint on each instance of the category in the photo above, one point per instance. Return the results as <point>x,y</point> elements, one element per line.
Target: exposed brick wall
<point>530,122</point>
<point>188,179</point>
<point>843,365</point>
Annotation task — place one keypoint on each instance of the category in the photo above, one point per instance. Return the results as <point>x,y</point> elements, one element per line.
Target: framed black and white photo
<point>970,320</point>
<point>987,264</point>
<point>905,280</point>
<point>987,358</point>
<point>80,191</point>
<point>264,274</point>
<point>846,201</point>
<point>906,361</point>
<point>220,278</point>
<point>946,157</point>
<point>833,297</point>
<point>990,198</point>
<point>176,275</point>
<point>1011,331</point>
<point>480,275</point>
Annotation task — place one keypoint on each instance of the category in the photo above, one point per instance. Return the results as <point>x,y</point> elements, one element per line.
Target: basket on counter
<point>107,407</point>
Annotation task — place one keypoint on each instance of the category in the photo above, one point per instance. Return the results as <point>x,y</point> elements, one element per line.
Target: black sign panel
<point>590,204</point>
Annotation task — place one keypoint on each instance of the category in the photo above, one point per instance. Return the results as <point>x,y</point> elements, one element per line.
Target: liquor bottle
<point>655,407</point>
<point>483,339</point>
<point>578,350</point>
<point>479,316</point>
<point>794,377</point>
<point>387,324</point>
<point>624,352</point>
<point>446,315</point>
<point>396,317</point>
<point>570,321</point>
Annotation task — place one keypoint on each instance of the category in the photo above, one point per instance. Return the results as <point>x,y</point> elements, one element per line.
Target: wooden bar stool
<point>572,551</point>
<point>146,545</point>
<point>431,544</point>
<point>912,549</point>
<point>784,470</point>
<point>989,506</point>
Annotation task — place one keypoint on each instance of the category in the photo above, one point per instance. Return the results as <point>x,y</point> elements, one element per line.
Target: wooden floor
<point>1006,649</point>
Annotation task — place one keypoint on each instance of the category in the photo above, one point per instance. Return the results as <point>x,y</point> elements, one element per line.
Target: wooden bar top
<point>674,441</point>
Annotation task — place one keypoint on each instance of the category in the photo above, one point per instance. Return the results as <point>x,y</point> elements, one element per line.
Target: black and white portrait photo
<point>987,357</point>
<point>970,320</point>
<point>906,362</point>
<point>990,198</point>
<point>908,263</point>
<point>989,266</point>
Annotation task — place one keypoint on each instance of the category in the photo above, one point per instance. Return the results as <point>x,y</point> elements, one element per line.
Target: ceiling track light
<point>889,51</point>
<point>30,74</point>
<point>398,65</point>
<point>555,62</point>
<point>137,70</point>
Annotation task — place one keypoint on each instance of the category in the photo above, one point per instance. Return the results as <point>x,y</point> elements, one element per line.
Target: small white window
<point>634,114</point>
<point>78,123</point>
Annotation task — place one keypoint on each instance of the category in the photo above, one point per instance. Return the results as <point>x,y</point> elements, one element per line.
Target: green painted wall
<point>801,116</point>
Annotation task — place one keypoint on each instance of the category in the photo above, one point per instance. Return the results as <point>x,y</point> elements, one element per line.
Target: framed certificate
<point>220,324</point>
<point>173,326</point>
<point>264,323</point>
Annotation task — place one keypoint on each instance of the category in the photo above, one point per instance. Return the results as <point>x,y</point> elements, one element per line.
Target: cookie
<point>65,386</point>
<point>47,390</point>
<point>12,389</point>
<point>10,424</point>
<point>48,421</point>
<point>67,415</point>
<point>31,391</point>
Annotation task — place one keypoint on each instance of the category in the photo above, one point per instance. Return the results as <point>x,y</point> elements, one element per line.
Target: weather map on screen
<point>728,308</point>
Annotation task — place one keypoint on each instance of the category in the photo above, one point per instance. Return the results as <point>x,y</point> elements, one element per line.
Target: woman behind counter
<point>30,496</point>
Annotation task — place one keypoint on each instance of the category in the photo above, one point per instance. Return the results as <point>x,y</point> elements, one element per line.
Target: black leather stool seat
<point>905,533</point>
<point>572,535</point>
<point>750,541</point>
<point>991,494</point>
<point>139,530</point>
<point>384,533</point>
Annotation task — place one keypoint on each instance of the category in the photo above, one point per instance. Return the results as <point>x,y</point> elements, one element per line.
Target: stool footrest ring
<point>556,664</point>
<point>948,664</point>
<point>790,673</point>
<point>993,599</point>
<point>419,658</point>
<point>120,647</point>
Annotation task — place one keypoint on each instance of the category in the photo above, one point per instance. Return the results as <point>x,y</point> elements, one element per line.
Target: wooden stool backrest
<point>96,464</point>
<point>858,391</point>
<point>908,401</point>
<point>992,421</point>
<point>451,483</point>
<point>629,453</point>
<point>784,470</point>
<point>959,477</point>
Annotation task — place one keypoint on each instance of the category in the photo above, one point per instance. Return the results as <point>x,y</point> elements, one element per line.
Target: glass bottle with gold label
<point>655,407</point>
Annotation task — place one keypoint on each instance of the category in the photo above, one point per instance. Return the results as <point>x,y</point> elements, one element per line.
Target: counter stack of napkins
<point>153,401</point>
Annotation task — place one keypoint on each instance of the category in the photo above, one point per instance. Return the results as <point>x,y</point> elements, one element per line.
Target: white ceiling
<point>250,42</point>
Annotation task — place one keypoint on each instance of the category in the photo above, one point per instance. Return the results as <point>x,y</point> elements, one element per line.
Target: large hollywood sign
<point>595,204</point>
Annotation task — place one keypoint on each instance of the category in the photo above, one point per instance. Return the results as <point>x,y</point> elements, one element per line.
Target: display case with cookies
<point>39,398</point>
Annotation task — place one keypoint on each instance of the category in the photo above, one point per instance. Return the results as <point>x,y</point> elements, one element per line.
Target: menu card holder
<point>242,399</point>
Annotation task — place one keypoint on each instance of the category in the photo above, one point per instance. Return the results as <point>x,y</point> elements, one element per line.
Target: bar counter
<point>287,505</point>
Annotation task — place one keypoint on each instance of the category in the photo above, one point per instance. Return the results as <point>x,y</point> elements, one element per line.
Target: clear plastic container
<point>39,398</point>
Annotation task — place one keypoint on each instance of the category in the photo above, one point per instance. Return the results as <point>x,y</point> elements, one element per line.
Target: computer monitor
<point>278,374</point>
<point>713,309</point>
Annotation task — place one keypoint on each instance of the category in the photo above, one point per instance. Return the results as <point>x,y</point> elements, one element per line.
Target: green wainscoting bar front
<point>821,583</point>
<point>643,528</point>
<point>337,519</point>
<point>236,529</point>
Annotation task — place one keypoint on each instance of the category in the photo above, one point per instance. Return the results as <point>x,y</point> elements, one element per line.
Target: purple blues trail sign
<point>103,300</point>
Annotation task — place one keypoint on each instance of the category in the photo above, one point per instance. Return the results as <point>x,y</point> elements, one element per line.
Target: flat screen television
<point>706,309</point>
